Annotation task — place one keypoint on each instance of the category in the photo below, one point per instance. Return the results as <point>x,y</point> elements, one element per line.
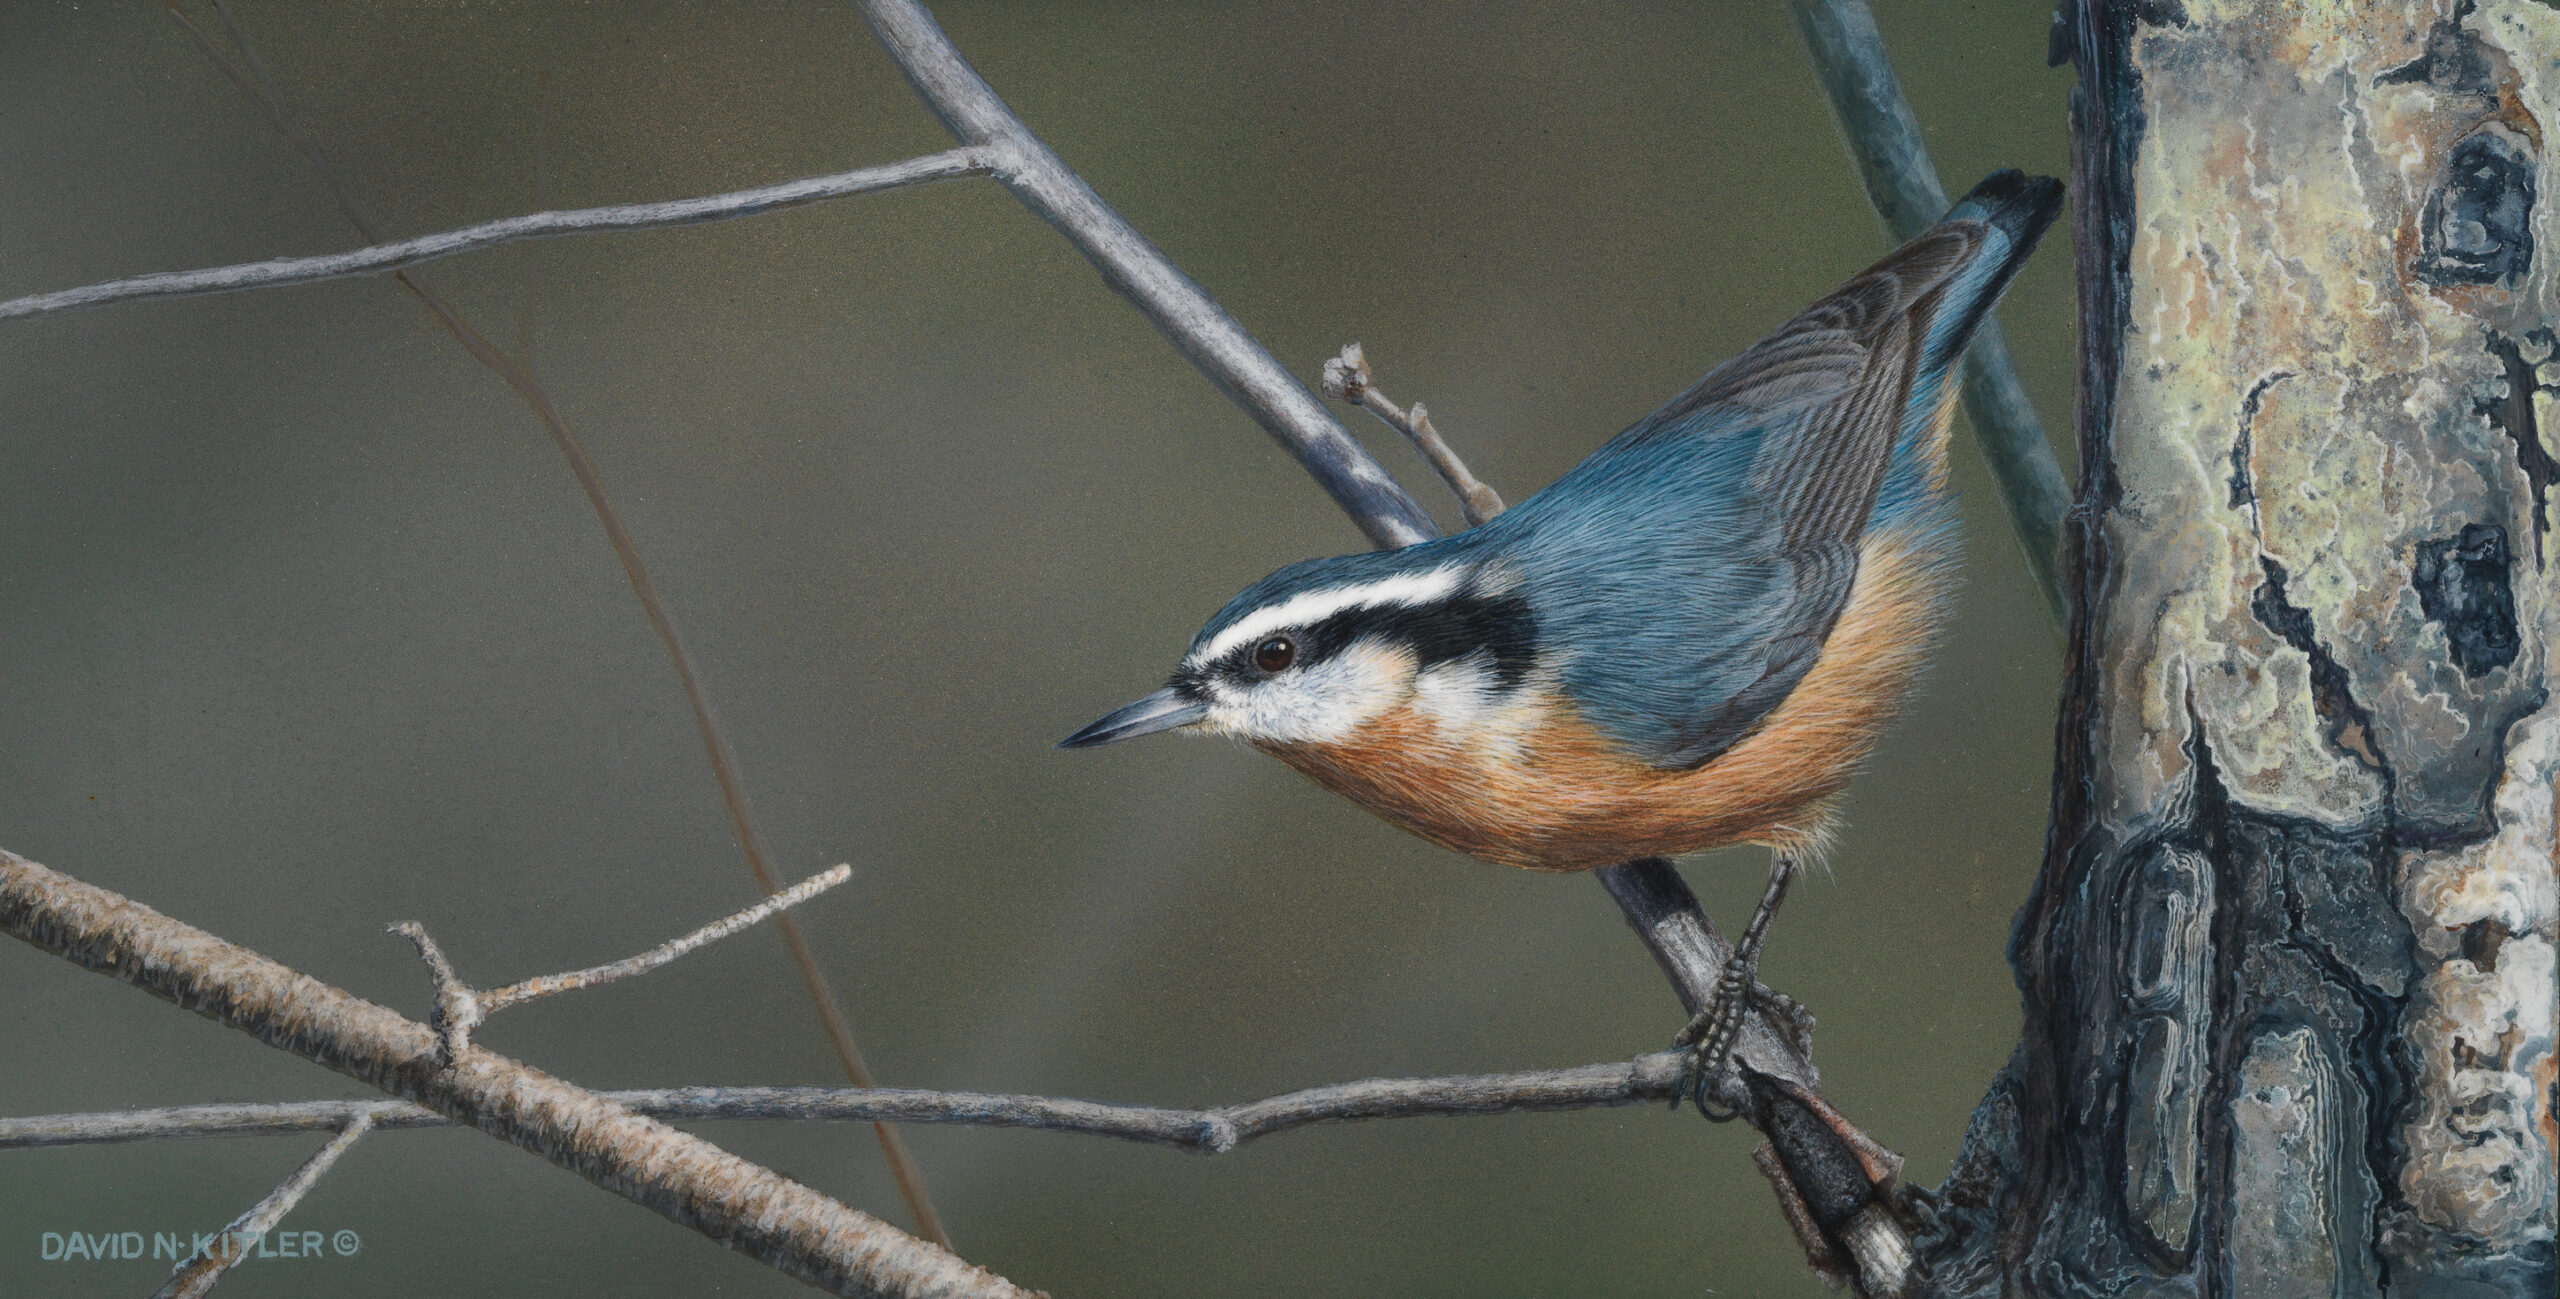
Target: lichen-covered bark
<point>2289,969</point>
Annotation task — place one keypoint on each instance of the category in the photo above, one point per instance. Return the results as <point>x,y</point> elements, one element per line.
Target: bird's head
<point>1314,651</point>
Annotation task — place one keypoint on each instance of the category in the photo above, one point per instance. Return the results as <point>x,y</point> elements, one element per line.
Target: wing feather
<point>1827,391</point>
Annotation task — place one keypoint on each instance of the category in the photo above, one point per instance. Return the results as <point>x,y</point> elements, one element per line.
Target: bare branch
<point>254,82</point>
<point>544,986</point>
<point>1646,1078</point>
<point>1774,1089</point>
<point>1347,379</point>
<point>378,258</point>
<point>1193,321</point>
<point>460,1008</point>
<point>201,1270</point>
<point>688,1180</point>
<point>1883,139</point>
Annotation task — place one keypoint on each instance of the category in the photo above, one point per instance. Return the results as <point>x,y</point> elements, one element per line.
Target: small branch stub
<point>1347,379</point>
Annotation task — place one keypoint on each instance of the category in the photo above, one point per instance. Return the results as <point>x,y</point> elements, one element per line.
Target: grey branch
<point>1883,139</point>
<point>1196,325</point>
<point>1775,1088</point>
<point>1347,379</point>
<point>461,1008</point>
<point>1215,1132</point>
<point>690,1181</point>
<point>202,1269</point>
<point>379,258</point>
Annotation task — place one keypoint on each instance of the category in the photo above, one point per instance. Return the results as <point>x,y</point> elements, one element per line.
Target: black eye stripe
<point>1439,631</point>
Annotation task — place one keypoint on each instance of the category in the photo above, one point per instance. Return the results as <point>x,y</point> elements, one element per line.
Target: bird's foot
<point>1710,1038</point>
<point>1718,1024</point>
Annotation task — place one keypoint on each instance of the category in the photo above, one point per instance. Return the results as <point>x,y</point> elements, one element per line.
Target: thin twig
<point>541,186</point>
<point>1883,138</point>
<point>378,258</point>
<point>1656,902</point>
<point>1347,379</point>
<point>1647,1078</point>
<point>460,1008</point>
<point>715,744</point>
<point>1192,321</point>
<point>696,1184</point>
<point>545,985</point>
<point>204,1268</point>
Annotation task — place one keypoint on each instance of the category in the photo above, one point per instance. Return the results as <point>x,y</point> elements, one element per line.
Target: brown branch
<point>254,82</point>
<point>682,1177</point>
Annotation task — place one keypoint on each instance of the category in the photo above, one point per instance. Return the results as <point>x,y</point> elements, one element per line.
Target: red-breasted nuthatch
<point>1688,641</point>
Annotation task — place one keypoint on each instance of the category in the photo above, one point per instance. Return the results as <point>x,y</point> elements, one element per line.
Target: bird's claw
<point>1711,1036</point>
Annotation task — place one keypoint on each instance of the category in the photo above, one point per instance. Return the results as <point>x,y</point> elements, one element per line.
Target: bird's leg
<point>1719,1022</point>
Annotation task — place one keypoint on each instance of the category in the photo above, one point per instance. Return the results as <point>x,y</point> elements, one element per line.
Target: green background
<point>305,628</point>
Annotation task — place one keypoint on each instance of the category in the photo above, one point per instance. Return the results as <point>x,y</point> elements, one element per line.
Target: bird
<point>1690,640</point>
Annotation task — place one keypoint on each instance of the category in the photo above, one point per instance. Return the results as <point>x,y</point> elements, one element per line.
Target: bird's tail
<point>2011,211</point>
<point>2016,208</point>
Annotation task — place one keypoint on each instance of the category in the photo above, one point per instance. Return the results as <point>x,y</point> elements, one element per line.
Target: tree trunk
<point>2288,968</point>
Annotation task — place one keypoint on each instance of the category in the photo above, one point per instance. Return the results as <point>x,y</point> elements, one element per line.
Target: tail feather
<point>2017,209</point>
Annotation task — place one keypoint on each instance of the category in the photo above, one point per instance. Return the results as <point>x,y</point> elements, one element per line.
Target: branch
<point>202,1269</point>
<point>460,1008</point>
<point>688,1180</point>
<point>1883,139</point>
<point>378,258</point>
<point>1347,379</point>
<point>1646,1078</point>
<point>1834,1182</point>
<point>1196,325</point>
<point>254,82</point>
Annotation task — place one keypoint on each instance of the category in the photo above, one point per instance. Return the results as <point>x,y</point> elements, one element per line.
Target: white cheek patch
<point>1316,606</point>
<point>1320,703</point>
<point>1461,697</point>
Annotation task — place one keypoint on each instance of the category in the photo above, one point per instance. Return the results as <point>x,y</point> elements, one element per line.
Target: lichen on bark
<point>2289,968</point>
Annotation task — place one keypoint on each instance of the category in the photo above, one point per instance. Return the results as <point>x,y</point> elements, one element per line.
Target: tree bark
<point>2288,967</point>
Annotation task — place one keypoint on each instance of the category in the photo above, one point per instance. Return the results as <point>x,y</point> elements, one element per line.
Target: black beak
<point>1162,711</point>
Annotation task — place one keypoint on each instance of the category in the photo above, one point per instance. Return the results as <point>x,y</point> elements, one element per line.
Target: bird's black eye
<point>1276,653</point>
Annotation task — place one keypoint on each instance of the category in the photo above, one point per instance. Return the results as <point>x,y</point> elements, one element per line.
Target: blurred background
<point>305,627</point>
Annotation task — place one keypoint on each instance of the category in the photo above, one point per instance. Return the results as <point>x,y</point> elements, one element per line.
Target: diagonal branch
<point>254,82</point>
<point>1646,1078</point>
<point>1834,1165</point>
<point>1192,321</point>
<point>199,1272</point>
<point>374,259</point>
<point>1883,138</point>
<point>688,1180</point>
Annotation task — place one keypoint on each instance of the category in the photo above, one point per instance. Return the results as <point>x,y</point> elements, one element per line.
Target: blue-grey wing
<point>1708,551</point>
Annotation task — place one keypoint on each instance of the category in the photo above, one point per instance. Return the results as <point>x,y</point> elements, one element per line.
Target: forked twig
<point>1347,379</point>
<point>692,1182</point>
<point>461,1008</point>
<point>201,1270</point>
<point>254,82</point>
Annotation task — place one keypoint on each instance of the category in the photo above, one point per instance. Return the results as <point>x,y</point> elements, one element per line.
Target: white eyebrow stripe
<point>1315,606</point>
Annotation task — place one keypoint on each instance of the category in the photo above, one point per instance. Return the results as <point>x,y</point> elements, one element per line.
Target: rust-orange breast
<point>1551,793</point>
